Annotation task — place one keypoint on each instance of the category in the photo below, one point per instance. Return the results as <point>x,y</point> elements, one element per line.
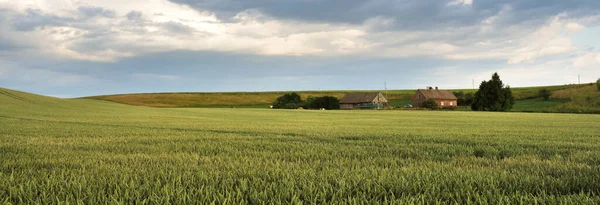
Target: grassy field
<point>237,99</point>
<point>568,98</point>
<point>97,152</point>
<point>537,105</point>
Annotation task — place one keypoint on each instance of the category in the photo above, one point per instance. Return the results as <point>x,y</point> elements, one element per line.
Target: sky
<point>75,48</point>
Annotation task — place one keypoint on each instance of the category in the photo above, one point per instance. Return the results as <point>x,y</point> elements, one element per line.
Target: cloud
<point>108,31</point>
<point>92,11</point>
<point>134,15</point>
<point>33,19</point>
<point>589,59</point>
<point>574,27</point>
<point>461,2</point>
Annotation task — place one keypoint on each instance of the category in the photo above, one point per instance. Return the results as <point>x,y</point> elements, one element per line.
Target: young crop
<point>56,151</point>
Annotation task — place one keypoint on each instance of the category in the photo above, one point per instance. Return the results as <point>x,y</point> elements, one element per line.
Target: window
<point>442,103</point>
<point>451,103</point>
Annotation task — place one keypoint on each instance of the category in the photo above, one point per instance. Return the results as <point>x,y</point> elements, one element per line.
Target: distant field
<point>526,98</point>
<point>238,99</point>
<point>82,151</point>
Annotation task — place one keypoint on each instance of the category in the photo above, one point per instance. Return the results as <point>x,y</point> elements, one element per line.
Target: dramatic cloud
<point>108,34</point>
<point>512,36</point>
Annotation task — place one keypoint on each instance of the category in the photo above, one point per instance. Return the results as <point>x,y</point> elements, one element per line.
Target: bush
<point>493,96</point>
<point>545,94</point>
<point>288,101</point>
<point>469,99</point>
<point>463,99</point>
<point>460,97</point>
<point>431,104</point>
<point>327,102</point>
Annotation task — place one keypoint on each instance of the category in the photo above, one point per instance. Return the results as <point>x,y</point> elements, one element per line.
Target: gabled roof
<point>438,94</point>
<point>358,98</point>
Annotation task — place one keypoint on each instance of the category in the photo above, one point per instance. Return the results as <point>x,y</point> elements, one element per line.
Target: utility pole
<point>578,79</point>
<point>385,86</point>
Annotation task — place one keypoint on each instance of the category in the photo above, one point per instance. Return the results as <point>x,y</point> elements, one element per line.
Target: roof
<point>359,97</point>
<point>438,94</point>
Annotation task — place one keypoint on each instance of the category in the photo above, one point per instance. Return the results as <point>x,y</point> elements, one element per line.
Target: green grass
<point>574,99</point>
<point>526,99</point>
<point>95,152</point>
<point>536,105</point>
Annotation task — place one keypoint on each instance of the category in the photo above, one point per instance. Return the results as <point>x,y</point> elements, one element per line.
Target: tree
<point>460,95</point>
<point>545,93</point>
<point>493,96</point>
<point>462,98</point>
<point>469,99</point>
<point>431,104</point>
<point>288,101</point>
<point>327,102</point>
<point>598,83</point>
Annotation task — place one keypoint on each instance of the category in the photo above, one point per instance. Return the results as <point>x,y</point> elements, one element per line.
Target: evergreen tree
<point>493,96</point>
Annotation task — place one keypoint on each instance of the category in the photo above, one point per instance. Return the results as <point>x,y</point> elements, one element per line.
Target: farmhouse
<point>444,98</point>
<point>363,100</point>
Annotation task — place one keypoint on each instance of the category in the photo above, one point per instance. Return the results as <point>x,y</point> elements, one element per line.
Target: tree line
<point>294,101</point>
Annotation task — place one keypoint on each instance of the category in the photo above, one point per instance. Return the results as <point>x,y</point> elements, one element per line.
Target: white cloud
<point>574,27</point>
<point>518,45</point>
<point>590,59</point>
<point>461,2</point>
<point>161,26</point>
<point>164,26</point>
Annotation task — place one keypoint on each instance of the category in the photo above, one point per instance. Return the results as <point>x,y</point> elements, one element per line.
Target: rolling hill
<point>84,151</point>
<point>566,98</point>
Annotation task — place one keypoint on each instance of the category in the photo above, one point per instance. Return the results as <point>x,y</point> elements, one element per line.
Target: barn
<point>363,100</point>
<point>444,98</point>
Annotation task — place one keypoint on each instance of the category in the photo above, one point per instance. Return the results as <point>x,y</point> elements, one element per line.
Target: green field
<point>582,98</point>
<point>83,151</point>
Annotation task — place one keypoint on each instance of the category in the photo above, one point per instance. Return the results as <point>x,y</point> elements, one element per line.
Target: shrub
<point>431,104</point>
<point>545,93</point>
<point>460,95</point>
<point>469,99</point>
<point>327,102</point>
<point>463,99</point>
<point>288,101</point>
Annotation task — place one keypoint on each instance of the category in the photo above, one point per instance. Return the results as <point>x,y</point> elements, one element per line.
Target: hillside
<point>17,105</point>
<point>228,99</point>
<point>82,151</point>
<point>571,98</point>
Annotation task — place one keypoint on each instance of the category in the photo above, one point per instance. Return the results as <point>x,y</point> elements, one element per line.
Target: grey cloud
<point>91,12</point>
<point>423,14</point>
<point>7,45</point>
<point>35,19</point>
<point>134,15</point>
<point>177,27</point>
